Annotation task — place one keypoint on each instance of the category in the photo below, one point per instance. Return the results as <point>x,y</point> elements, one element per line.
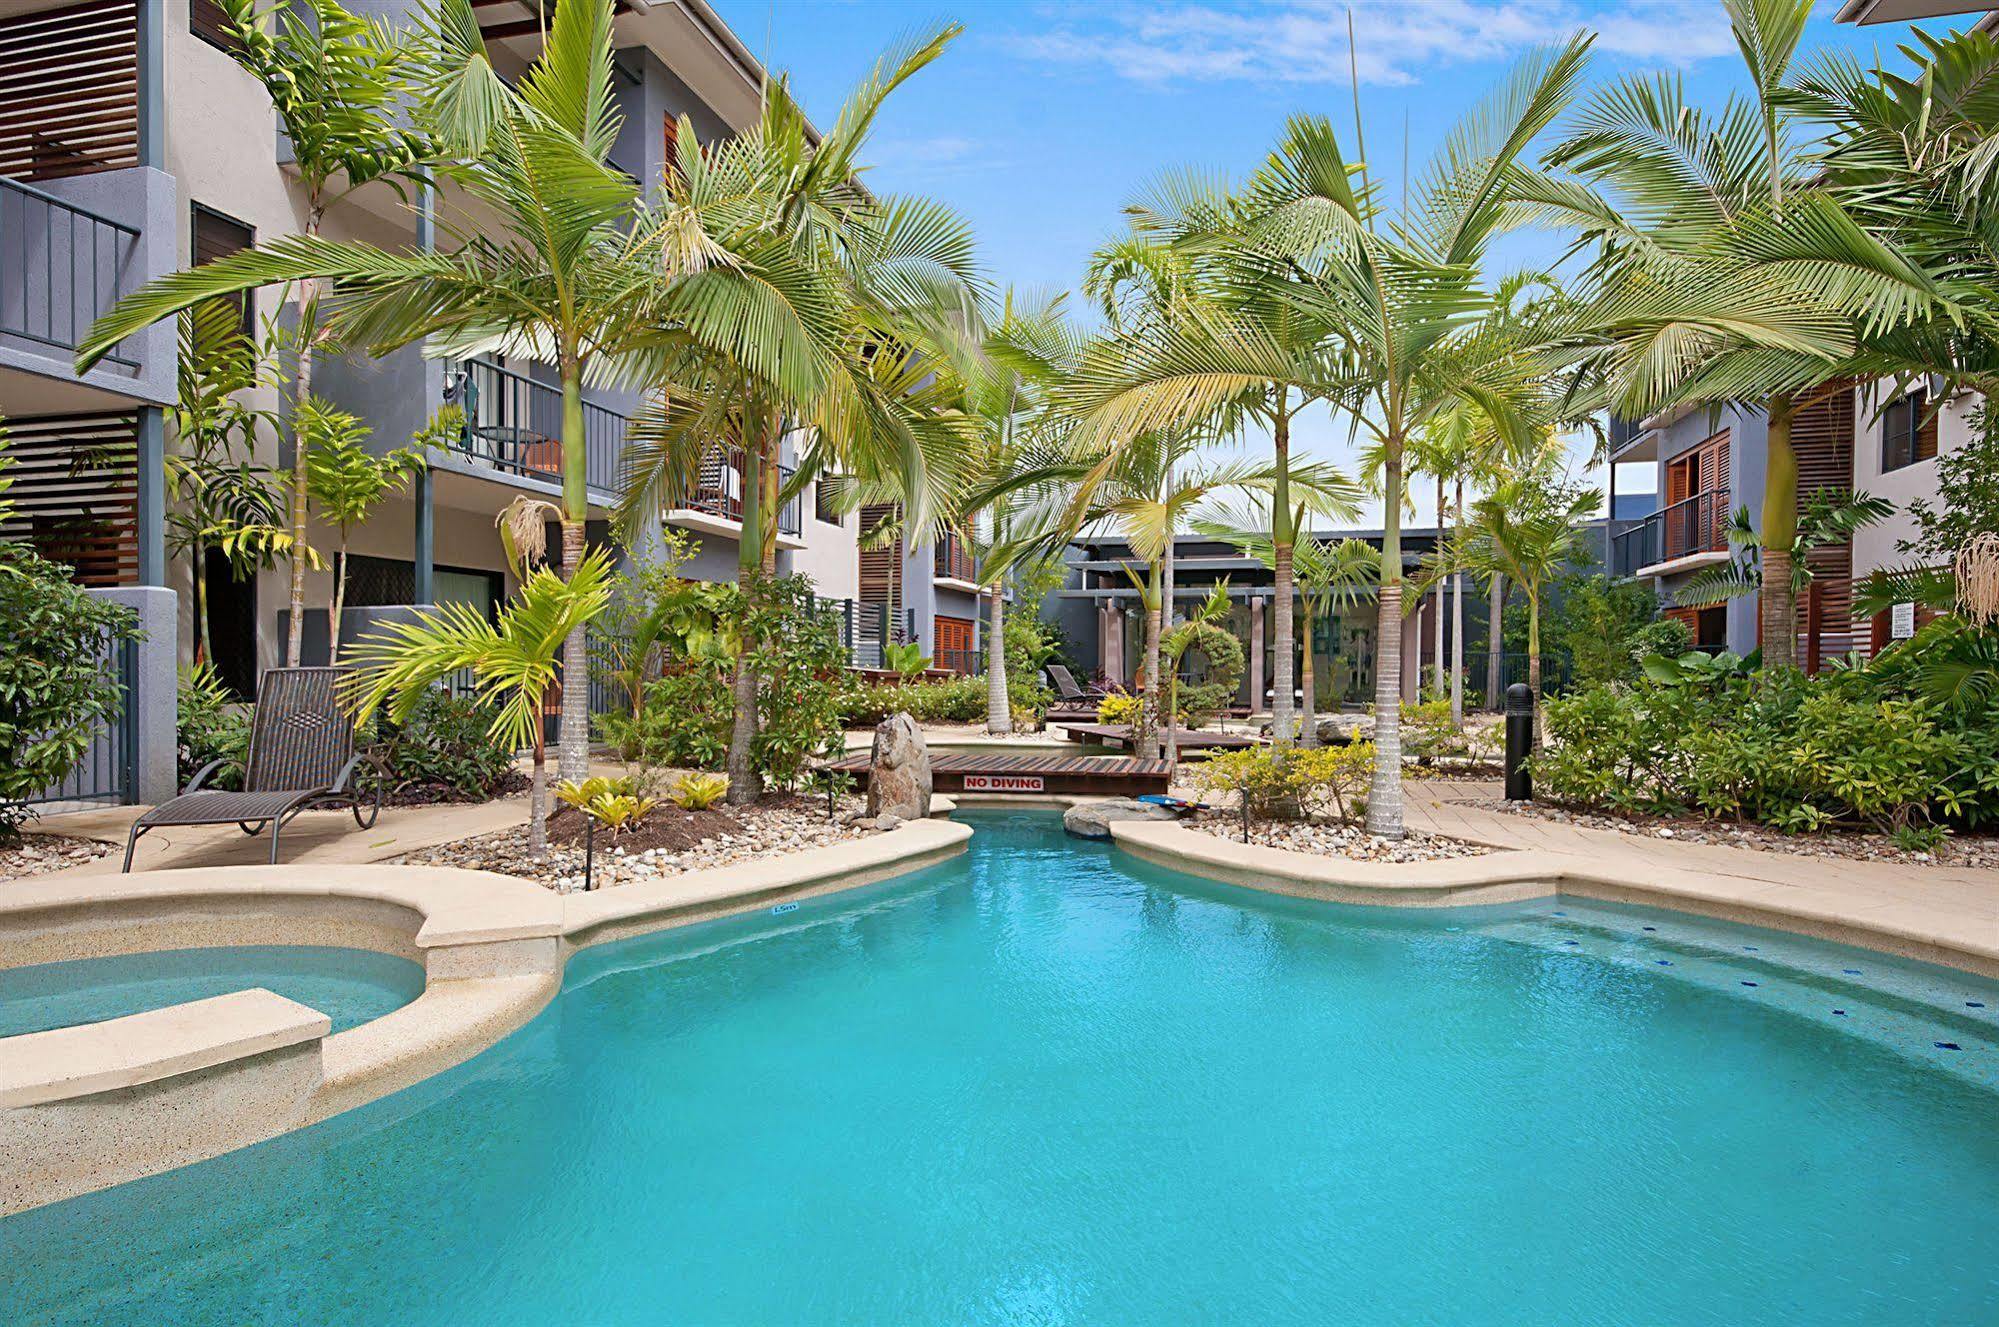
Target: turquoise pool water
<point>350,986</point>
<point>1041,1084</point>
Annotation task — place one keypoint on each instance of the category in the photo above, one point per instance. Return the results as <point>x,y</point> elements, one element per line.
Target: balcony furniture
<point>302,758</point>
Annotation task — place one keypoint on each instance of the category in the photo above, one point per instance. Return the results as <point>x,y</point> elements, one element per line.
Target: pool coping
<point>1515,875</point>
<point>493,948</point>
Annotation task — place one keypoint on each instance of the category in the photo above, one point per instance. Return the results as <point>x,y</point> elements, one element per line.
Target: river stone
<point>1092,820</point>
<point>899,770</point>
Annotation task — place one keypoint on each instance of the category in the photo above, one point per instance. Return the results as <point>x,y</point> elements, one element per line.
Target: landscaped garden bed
<point>39,854</point>
<point>1335,840</point>
<point>669,841</point>
<point>1972,851</point>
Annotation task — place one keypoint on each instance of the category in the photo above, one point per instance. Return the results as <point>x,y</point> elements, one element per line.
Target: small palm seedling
<point>698,792</point>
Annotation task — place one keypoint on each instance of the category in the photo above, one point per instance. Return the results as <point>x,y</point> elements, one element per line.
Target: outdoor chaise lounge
<point>301,759</point>
<point>1072,702</point>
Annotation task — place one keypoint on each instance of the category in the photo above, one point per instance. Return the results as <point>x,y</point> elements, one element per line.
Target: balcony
<point>61,267</point>
<point>716,504</point>
<point>513,425</point>
<point>1689,535</point>
<point>953,565</point>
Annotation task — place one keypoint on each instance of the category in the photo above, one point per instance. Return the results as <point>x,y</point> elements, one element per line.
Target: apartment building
<point>1710,463</point>
<point>132,144</point>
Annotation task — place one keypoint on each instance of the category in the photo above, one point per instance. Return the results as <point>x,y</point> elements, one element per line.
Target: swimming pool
<point>1043,1083</point>
<point>350,986</point>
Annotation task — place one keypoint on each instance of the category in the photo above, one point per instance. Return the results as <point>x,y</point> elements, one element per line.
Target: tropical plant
<point>656,617</point>
<point>1529,530</point>
<point>335,79</point>
<point>861,703</point>
<point>56,693</point>
<point>1597,622</point>
<point>814,311</point>
<point>1830,519</point>
<point>1318,292</point>
<point>512,662</point>
<point>906,660</point>
<point>345,481</point>
<point>570,275</point>
<point>217,490</point>
<point>698,792</point>
<point>618,804</point>
<point>445,751</point>
<point>208,727</point>
<point>1193,706</point>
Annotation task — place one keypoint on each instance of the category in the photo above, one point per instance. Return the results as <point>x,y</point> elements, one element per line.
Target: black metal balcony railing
<point>961,662</point>
<point>1698,524</point>
<point>513,423</point>
<point>718,490</point>
<point>61,266</point>
<point>863,629</point>
<point>954,561</point>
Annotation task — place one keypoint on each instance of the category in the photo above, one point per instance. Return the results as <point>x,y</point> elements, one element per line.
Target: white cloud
<point>1395,41</point>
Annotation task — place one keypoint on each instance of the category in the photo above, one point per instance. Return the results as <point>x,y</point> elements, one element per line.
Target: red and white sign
<point>1002,783</point>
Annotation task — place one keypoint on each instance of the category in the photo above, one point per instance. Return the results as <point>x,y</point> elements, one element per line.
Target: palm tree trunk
<point>1282,536</point>
<point>999,705</point>
<point>1495,643</point>
<point>1457,622</point>
<point>538,797</point>
<point>744,784</point>
<point>1308,709</point>
<point>1437,669</point>
<point>1384,801</point>
<point>573,727</point>
<point>204,648</point>
<point>1148,706</point>
<point>308,314</point>
<point>333,609</point>
<point>1170,745</point>
<point>1775,602</point>
<point>1534,658</point>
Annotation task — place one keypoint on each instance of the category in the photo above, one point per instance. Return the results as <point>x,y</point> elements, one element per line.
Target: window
<point>1908,431</point>
<point>826,500</point>
<point>217,236</point>
<point>208,20</point>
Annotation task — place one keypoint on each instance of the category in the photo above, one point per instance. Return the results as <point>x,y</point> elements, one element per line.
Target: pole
<point>1519,742</point>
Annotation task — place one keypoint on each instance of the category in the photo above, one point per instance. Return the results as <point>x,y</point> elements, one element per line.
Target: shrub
<point>1284,782</point>
<point>1120,707</point>
<point>446,747</point>
<point>208,727</point>
<point>1792,752</point>
<point>56,695</point>
<point>1331,779</point>
<point>698,792</point>
<point>863,704</point>
<point>1256,775</point>
<point>616,804</point>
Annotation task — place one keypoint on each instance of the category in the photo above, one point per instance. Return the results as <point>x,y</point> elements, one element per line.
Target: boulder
<point>1092,820</point>
<point>899,770</point>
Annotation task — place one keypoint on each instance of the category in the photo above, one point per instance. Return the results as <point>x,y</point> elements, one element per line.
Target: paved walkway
<point>1938,899</point>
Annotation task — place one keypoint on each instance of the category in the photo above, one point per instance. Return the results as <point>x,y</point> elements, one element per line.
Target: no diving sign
<point>1002,783</point>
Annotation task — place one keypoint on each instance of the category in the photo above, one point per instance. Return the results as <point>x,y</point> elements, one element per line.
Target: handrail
<point>513,423</point>
<point>59,276</point>
<point>1694,524</point>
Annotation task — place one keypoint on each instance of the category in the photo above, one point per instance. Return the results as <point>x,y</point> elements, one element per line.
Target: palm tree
<point>813,304</point>
<point>513,661</point>
<point>1391,303</point>
<point>345,481</point>
<point>335,80</point>
<point>1527,529</point>
<point>1728,270</point>
<point>570,274</point>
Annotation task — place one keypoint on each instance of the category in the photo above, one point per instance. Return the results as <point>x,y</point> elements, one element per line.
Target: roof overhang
<point>1865,13</point>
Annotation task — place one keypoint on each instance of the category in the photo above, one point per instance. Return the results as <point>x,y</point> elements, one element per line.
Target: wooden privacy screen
<point>69,90</point>
<point>1822,437</point>
<point>76,493</point>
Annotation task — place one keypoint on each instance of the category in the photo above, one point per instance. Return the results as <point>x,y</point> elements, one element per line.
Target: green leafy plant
<point>698,792</point>
<point>444,750</point>
<point>209,726</point>
<point>56,695</point>
<point>1120,707</point>
<point>346,481</point>
<point>863,704</point>
<point>907,660</point>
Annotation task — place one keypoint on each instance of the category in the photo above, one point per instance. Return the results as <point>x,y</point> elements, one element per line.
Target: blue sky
<point>1044,119</point>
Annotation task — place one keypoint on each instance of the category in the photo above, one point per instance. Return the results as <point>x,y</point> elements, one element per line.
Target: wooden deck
<point>1030,773</point>
<point>1197,739</point>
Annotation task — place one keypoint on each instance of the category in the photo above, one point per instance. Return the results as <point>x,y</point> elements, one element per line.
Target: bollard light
<point>1519,742</point>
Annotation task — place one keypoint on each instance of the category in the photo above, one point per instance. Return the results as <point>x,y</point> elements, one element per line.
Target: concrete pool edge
<point>1887,925</point>
<point>493,949</point>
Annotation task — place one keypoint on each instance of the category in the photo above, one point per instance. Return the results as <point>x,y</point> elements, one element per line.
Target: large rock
<point>1092,820</point>
<point>899,770</point>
